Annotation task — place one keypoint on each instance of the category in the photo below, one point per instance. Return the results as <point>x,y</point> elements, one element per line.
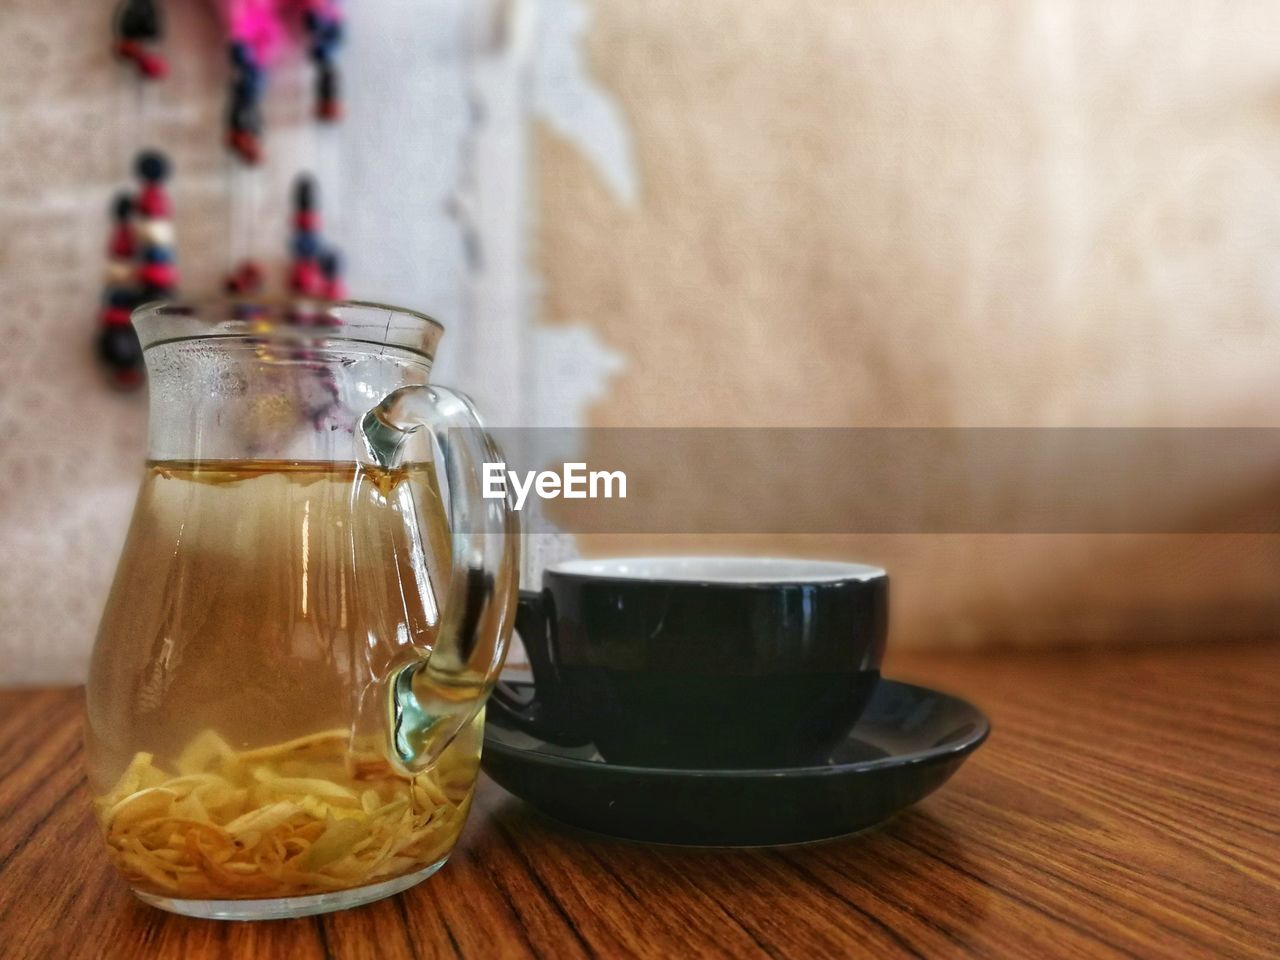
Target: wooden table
<point>1126,806</point>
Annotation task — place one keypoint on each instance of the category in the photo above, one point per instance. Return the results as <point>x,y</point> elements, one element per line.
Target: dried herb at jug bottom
<point>312,815</point>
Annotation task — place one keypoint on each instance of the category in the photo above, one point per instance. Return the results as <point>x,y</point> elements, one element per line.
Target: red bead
<point>154,202</point>
<point>246,279</point>
<point>251,276</point>
<point>115,316</point>
<point>307,220</point>
<point>159,275</point>
<point>127,379</point>
<point>153,66</point>
<point>149,64</point>
<point>246,145</point>
<point>329,110</point>
<point>122,242</point>
<point>337,290</point>
<point>128,50</point>
<point>306,278</point>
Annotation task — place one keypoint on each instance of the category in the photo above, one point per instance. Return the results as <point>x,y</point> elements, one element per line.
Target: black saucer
<point>909,741</point>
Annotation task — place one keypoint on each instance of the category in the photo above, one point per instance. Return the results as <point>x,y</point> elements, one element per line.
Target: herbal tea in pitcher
<point>275,576</point>
<point>284,714</point>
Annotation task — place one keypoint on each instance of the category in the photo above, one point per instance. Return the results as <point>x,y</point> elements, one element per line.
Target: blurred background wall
<point>807,212</point>
<point>999,213</point>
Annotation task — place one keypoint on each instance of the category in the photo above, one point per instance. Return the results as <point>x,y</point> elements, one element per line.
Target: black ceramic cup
<point>700,662</point>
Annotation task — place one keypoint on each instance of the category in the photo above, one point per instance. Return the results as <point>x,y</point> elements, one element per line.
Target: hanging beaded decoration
<point>324,26</point>
<point>158,272</point>
<point>140,267</point>
<point>141,263</point>
<point>315,270</point>
<point>305,277</point>
<point>257,32</point>
<point>244,111</point>
<point>139,28</point>
<point>117,343</point>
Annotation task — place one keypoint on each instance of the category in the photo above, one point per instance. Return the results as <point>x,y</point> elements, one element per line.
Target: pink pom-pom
<point>259,24</point>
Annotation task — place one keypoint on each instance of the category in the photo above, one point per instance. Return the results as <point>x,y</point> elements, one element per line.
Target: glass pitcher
<point>285,702</point>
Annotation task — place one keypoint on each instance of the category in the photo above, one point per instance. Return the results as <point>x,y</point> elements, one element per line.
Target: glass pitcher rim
<point>235,318</point>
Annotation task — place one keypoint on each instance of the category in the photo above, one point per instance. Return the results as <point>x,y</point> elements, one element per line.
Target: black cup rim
<point>614,570</point>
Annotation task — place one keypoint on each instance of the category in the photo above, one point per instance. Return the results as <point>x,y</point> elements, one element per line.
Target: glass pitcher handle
<point>433,699</point>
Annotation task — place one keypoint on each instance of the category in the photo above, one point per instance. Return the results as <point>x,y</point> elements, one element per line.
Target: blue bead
<point>242,56</point>
<point>331,263</point>
<point>305,192</point>
<point>152,166</point>
<point>306,244</point>
<point>249,86</point>
<point>119,348</point>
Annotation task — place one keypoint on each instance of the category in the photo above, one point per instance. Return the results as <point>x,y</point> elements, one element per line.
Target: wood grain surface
<point>1125,806</point>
